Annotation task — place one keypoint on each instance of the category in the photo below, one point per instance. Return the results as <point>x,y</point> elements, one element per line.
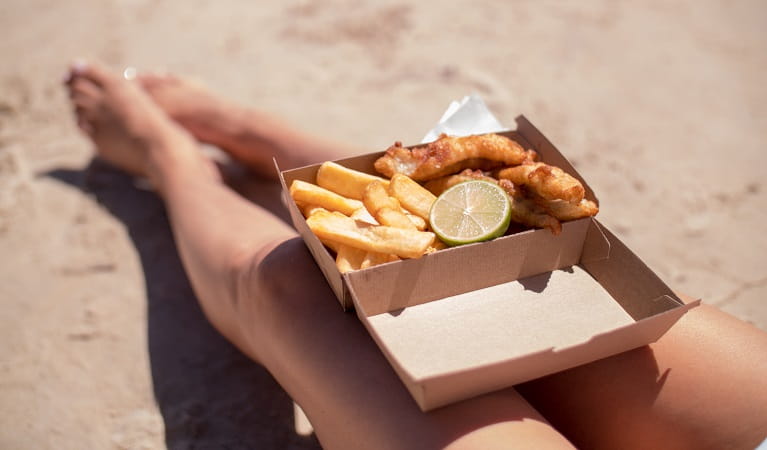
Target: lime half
<point>472,211</point>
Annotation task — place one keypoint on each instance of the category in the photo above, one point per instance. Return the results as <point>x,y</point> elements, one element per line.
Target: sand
<point>662,107</point>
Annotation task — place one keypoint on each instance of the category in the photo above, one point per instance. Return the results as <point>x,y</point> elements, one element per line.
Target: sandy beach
<point>661,106</point>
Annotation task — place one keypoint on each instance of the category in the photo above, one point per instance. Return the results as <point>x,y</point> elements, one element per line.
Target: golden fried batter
<point>441,184</point>
<point>549,182</point>
<point>564,211</point>
<point>449,155</point>
<point>526,211</point>
<point>542,195</point>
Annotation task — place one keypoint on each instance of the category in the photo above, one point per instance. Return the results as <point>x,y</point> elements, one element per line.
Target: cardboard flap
<point>447,388</point>
<point>643,332</point>
<point>394,286</point>
<point>596,246</point>
<point>637,296</point>
<point>497,323</point>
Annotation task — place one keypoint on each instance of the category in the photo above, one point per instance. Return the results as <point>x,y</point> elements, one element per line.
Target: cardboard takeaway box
<point>477,318</point>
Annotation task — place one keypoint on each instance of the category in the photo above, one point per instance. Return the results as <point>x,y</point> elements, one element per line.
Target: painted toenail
<point>129,73</point>
<point>79,66</point>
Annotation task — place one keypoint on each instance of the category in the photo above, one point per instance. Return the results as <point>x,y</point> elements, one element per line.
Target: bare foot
<point>126,126</point>
<point>249,136</point>
<point>188,102</point>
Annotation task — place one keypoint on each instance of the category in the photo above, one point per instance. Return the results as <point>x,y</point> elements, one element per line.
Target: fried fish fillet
<point>564,210</point>
<point>439,185</point>
<point>449,155</point>
<point>526,211</point>
<point>549,182</point>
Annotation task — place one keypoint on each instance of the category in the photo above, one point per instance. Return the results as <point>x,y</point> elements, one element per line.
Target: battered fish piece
<point>449,155</point>
<point>526,211</point>
<point>549,182</point>
<point>441,184</point>
<point>565,211</point>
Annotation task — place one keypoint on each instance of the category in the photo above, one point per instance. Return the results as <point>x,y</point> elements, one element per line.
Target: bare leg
<point>248,135</point>
<point>700,386</point>
<point>259,286</point>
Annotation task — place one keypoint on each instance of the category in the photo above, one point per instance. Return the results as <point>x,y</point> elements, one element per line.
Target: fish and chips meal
<point>452,191</point>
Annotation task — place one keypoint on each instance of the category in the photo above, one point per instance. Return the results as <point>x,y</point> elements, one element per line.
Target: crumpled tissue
<point>468,116</point>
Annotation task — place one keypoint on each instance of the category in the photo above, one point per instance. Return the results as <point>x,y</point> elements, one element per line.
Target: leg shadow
<point>209,394</point>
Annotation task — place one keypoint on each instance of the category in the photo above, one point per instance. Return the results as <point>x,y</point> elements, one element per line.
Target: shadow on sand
<point>210,395</point>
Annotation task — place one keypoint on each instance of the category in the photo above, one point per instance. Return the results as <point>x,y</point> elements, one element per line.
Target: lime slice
<point>472,211</point>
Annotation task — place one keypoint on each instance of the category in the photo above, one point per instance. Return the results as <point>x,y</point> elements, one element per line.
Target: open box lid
<point>495,337</point>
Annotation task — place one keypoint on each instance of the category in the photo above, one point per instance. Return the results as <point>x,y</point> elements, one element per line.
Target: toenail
<point>129,73</point>
<point>79,66</point>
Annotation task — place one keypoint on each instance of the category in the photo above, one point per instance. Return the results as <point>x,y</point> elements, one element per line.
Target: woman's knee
<point>281,275</point>
<point>280,269</point>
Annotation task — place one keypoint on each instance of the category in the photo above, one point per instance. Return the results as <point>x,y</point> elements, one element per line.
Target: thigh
<point>702,385</point>
<point>329,364</point>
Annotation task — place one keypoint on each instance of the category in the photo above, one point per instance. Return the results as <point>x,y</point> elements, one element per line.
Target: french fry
<point>364,215</point>
<point>307,209</point>
<point>349,258</point>
<point>304,192</point>
<point>331,244</point>
<point>386,210</point>
<point>344,181</point>
<point>374,259</point>
<point>437,245</point>
<point>418,221</point>
<point>336,227</point>
<point>413,197</point>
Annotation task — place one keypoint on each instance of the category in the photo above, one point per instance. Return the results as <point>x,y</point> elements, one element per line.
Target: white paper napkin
<point>468,116</point>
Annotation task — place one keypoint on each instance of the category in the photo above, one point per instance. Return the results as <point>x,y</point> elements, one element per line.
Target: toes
<point>85,125</point>
<point>92,71</point>
<point>75,69</point>
<point>85,116</point>
<point>84,94</point>
<point>80,87</point>
<point>149,80</point>
<point>155,80</point>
